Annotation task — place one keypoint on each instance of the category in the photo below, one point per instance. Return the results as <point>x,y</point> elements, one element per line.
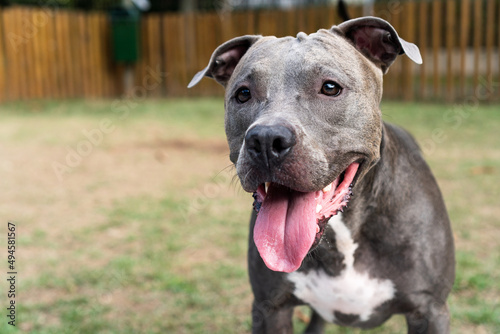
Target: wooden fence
<point>51,53</point>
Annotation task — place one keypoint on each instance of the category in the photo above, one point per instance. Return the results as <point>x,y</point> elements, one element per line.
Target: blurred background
<point>128,214</point>
<point>99,48</point>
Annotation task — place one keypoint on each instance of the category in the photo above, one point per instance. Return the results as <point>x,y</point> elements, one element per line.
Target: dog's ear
<point>224,59</point>
<point>377,40</point>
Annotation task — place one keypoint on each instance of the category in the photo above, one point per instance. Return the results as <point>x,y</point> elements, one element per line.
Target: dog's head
<point>303,124</point>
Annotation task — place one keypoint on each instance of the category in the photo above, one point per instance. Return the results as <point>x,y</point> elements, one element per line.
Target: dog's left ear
<point>224,59</point>
<point>378,41</point>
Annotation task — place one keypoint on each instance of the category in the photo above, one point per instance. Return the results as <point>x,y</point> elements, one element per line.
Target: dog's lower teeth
<point>318,208</point>
<point>327,188</point>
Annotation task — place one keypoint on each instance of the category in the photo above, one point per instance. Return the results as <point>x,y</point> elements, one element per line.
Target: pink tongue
<point>285,228</point>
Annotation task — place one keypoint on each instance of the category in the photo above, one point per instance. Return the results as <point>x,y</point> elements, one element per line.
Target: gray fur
<point>396,215</point>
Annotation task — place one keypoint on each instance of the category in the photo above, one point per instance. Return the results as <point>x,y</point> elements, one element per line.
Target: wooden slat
<point>38,79</point>
<point>24,54</point>
<point>90,55</point>
<point>422,44</point>
<point>168,31</point>
<point>226,22</point>
<point>76,54</point>
<point>53,61</point>
<point>202,52</point>
<point>396,69</point>
<point>84,54</point>
<point>68,60</point>
<point>96,74</point>
<point>267,23</point>
<point>175,51</point>
<point>11,42</point>
<point>15,44</point>
<point>190,51</point>
<point>182,53</point>
<point>37,47</point>
<point>212,41</point>
<point>407,70</point>
<point>33,84</point>
<point>356,11</point>
<point>301,20</point>
<point>98,52</point>
<point>114,69</point>
<point>46,53</point>
<point>477,41</point>
<point>450,47</point>
<point>140,66</point>
<point>464,35</point>
<point>62,68</point>
<point>95,54</point>
<point>311,20</point>
<point>291,22</point>
<point>436,45</point>
<point>84,47</point>
<point>490,30</point>
<point>3,78</point>
<point>109,64</point>
<point>331,19</point>
<point>21,53</point>
<point>251,23</point>
<point>106,60</point>
<point>275,27</point>
<point>184,50</point>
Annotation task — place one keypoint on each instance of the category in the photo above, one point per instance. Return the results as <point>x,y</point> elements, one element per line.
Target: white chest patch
<point>351,292</point>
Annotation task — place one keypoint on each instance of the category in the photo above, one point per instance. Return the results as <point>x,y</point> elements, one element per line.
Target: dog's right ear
<point>224,59</point>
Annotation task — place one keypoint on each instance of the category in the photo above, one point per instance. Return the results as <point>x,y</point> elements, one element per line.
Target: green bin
<point>125,35</point>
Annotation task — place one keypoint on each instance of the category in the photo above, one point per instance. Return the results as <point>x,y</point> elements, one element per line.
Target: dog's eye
<point>331,88</point>
<point>243,95</point>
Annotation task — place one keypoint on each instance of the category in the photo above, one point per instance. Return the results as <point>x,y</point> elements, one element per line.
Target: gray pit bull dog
<point>348,217</point>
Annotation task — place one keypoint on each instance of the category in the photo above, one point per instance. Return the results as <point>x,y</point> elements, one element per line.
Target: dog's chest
<point>351,293</point>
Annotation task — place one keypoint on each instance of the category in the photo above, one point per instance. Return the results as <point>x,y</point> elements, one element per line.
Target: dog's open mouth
<point>289,223</point>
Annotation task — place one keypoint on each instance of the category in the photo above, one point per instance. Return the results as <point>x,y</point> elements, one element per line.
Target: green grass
<point>149,233</point>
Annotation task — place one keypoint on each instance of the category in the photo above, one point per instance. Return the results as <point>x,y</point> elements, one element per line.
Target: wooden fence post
<point>490,29</point>
<point>464,35</point>
<point>422,44</point>
<point>477,42</point>
<point>410,35</point>
<point>450,47</point>
<point>436,45</point>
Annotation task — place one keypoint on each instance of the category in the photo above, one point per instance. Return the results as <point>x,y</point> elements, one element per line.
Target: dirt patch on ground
<point>54,202</point>
<point>212,146</point>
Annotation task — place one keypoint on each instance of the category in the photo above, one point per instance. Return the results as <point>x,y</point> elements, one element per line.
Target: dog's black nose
<point>269,144</point>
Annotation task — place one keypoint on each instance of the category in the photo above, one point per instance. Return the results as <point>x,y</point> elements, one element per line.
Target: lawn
<point>129,218</point>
